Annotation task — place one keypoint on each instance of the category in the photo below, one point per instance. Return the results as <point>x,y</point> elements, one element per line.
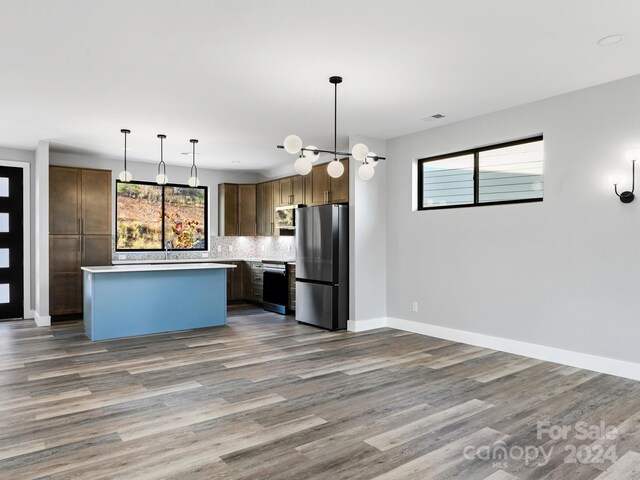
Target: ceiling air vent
<point>431,118</point>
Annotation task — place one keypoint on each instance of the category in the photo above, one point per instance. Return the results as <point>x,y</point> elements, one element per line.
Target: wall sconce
<point>627,196</point>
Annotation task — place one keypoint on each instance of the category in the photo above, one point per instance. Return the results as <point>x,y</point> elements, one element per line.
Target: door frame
<point>26,230</point>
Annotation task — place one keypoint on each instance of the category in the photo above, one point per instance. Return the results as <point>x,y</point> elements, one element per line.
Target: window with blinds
<point>507,173</point>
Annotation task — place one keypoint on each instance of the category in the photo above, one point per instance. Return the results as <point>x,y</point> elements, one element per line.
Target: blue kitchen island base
<point>123,302</point>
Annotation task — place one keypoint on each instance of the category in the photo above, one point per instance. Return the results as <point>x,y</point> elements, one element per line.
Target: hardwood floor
<point>265,397</point>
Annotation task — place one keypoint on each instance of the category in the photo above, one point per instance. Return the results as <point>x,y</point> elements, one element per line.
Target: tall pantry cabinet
<point>79,232</point>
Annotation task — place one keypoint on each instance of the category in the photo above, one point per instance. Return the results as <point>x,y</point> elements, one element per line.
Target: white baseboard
<point>368,324</point>
<point>42,320</point>
<point>586,361</point>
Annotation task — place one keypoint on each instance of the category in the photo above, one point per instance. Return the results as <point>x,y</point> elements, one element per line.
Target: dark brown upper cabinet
<point>292,190</point>
<point>250,209</point>
<point>237,209</point>
<point>65,200</point>
<point>322,188</point>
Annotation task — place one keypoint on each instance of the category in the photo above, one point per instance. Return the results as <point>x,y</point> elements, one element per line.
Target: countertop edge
<point>157,267</point>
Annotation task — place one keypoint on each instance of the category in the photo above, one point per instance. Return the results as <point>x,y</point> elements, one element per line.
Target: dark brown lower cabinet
<point>65,293</point>
<point>65,276</point>
<point>255,282</point>
<point>96,250</point>
<point>291,277</point>
<point>235,281</point>
<point>67,254</point>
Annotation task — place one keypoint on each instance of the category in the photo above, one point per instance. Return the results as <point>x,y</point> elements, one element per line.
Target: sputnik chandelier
<point>309,154</point>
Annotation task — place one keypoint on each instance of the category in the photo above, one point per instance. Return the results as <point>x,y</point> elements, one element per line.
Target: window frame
<point>206,218</point>
<point>476,177</point>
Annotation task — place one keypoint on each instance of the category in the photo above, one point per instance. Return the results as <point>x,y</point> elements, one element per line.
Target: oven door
<point>275,289</point>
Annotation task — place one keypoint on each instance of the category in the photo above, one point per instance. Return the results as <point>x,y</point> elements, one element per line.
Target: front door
<point>11,243</point>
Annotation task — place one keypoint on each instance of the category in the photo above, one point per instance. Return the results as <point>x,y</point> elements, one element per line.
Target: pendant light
<point>193,180</point>
<point>161,178</point>
<point>125,176</point>
<point>303,165</point>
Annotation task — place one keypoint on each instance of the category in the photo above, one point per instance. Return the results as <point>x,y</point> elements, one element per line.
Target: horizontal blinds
<point>447,182</point>
<point>511,173</point>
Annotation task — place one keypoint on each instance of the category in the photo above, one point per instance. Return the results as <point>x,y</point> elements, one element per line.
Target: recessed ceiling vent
<point>430,118</point>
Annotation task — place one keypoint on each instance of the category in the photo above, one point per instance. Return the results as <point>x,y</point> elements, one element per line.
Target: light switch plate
<point>219,248</point>
<point>205,255</point>
<point>122,256</point>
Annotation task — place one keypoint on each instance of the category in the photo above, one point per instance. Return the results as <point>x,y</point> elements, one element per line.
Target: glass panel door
<point>11,246</point>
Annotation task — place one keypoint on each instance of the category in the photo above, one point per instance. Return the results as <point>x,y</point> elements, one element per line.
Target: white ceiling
<point>241,74</point>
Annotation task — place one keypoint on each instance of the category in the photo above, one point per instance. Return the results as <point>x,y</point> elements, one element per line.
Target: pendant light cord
<point>125,151</point>
<point>193,165</point>
<point>161,157</point>
<point>335,122</point>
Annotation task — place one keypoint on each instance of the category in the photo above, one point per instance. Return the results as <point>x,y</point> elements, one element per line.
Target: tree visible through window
<point>152,217</point>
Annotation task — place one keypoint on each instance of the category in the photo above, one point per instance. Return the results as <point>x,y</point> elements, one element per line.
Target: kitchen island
<point>129,300</point>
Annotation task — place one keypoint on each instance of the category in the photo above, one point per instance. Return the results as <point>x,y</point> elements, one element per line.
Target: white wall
<point>148,171</point>
<point>560,273</point>
<point>367,241</point>
<point>41,174</point>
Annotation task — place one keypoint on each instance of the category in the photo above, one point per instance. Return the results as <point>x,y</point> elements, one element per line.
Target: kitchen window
<point>510,172</point>
<point>150,217</point>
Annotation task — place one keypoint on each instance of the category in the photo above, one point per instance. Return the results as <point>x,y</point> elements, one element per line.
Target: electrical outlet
<point>219,248</point>
<point>122,256</point>
<point>231,248</point>
<point>205,255</point>
<point>414,306</point>
<point>262,249</point>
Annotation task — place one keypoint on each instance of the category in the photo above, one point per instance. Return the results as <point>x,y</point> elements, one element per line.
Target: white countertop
<point>157,267</point>
<point>198,260</point>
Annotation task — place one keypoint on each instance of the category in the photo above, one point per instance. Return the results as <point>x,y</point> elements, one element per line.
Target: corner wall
<point>41,173</point>
<point>368,241</point>
<point>560,273</point>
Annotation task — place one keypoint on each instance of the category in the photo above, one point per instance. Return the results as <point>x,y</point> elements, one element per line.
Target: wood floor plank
<point>268,398</point>
<point>627,468</point>
<point>408,432</point>
<point>438,461</point>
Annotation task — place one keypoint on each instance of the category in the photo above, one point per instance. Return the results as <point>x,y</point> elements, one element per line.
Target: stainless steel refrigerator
<point>322,266</point>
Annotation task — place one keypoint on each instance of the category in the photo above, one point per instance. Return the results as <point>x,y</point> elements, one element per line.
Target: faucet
<point>166,250</point>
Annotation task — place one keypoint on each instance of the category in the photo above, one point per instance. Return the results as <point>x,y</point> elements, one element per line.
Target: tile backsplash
<point>271,248</point>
